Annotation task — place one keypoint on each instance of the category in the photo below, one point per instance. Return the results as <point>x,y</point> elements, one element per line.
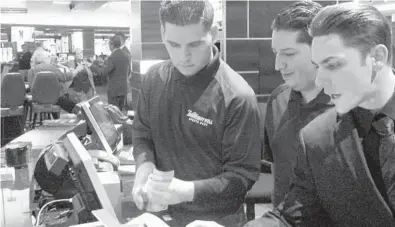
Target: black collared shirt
<point>363,120</point>
<point>286,115</point>
<point>24,60</point>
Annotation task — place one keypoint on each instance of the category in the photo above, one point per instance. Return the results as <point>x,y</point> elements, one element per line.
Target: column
<point>146,42</point>
<point>248,41</point>
<point>135,49</point>
<point>88,43</point>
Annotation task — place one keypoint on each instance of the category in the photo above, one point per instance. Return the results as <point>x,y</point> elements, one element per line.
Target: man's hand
<point>179,191</point>
<point>139,196</point>
<point>142,173</point>
<point>199,223</point>
<point>261,223</point>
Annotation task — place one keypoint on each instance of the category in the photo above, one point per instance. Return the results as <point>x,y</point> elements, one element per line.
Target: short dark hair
<point>122,36</point>
<point>297,17</point>
<point>359,25</point>
<point>116,41</point>
<point>184,12</point>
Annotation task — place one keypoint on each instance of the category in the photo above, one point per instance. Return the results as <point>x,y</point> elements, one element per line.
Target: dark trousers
<point>119,101</point>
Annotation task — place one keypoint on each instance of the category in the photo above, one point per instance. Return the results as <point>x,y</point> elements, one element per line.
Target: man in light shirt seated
<point>42,62</point>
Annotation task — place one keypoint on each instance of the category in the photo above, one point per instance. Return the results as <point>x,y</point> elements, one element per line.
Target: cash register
<point>91,194</point>
<point>76,173</point>
<point>90,202</point>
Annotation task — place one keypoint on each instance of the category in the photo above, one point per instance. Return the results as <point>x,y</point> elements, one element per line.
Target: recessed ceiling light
<point>62,2</point>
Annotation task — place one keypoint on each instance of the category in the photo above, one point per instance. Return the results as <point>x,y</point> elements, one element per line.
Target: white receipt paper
<point>148,220</point>
<point>144,220</point>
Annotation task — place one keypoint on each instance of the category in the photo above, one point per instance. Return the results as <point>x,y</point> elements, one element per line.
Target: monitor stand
<point>112,184</point>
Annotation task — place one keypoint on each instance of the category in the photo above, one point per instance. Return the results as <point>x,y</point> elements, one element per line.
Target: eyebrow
<point>171,42</point>
<point>285,49</point>
<point>323,61</point>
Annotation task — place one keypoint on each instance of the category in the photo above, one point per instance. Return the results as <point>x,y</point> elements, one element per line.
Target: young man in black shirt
<point>198,117</point>
<point>299,100</point>
<point>24,61</point>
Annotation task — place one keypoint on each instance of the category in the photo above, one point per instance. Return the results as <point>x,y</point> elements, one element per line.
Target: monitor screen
<point>91,193</point>
<point>101,124</point>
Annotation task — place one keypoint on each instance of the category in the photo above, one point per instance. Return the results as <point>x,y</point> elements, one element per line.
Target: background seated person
<point>43,63</point>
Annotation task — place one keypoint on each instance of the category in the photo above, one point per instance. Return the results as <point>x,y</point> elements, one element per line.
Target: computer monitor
<point>91,193</point>
<point>101,124</point>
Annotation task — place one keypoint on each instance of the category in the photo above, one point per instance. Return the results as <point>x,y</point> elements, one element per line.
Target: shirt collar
<point>363,118</point>
<point>389,108</point>
<point>115,50</point>
<point>205,74</point>
<point>321,98</point>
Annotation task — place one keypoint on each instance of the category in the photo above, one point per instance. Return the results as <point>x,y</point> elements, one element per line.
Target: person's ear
<point>162,32</point>
<point>379,57</point>
<point>214,31</point>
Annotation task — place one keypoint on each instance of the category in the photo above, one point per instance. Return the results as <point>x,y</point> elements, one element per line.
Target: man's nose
<point>279,63</point>
<point>186,52</point>
<point>321,78</point>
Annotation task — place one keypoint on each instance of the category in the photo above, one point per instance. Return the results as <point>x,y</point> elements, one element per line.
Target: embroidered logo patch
<point>195,117</point>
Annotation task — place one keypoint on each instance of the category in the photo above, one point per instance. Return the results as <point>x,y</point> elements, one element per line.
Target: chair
<point>13,96</point>
<point>45,93</point>
<point>261,191</point>
<point>6,69</point>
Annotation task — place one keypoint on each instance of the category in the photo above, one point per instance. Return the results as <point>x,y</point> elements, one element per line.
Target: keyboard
<point>60,122</point>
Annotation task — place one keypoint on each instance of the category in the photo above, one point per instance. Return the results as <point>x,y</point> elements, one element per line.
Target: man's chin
<point>187,73</point>
<point>292,85</point>
<point>347,102</point>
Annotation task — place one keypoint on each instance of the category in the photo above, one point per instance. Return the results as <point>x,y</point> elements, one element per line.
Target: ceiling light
<point>61,2</point>
<point>386,7</point>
